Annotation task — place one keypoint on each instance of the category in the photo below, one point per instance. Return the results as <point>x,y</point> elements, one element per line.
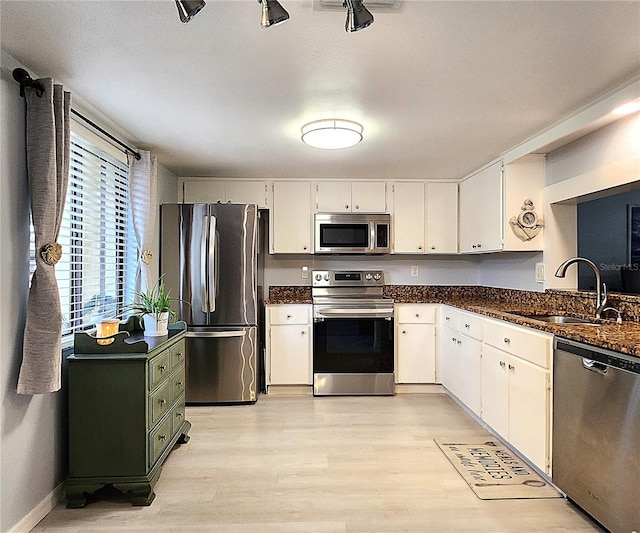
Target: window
<point>96,273</point>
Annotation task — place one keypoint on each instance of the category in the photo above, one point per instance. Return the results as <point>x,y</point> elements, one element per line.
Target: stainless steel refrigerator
<point>208,256</point>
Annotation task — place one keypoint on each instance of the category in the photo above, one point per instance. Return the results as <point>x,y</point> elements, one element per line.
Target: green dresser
<point>126,411</point>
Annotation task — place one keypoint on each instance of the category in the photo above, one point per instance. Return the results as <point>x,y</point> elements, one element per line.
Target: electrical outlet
<point>304,272</point>
<point>415,271</point>
<point>540,272</point>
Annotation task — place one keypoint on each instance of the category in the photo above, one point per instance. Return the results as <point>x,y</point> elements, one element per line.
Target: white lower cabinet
<point>415,343</point>
<point>460,355</point>
<point>516,388</point>
<point>289,344</point>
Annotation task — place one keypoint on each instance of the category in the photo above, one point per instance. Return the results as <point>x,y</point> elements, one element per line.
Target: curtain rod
<point>25,80</point>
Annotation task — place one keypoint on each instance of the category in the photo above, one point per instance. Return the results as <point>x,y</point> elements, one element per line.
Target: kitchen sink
<point>559,319</point>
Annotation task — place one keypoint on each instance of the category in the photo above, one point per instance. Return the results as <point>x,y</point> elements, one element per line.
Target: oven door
<point>353,355</point>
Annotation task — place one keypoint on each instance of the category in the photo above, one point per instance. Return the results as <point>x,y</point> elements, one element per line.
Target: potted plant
<point>154,305</point>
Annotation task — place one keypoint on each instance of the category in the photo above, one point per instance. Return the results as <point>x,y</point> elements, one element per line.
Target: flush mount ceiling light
<point>358,16</point>
<point>332,134</point>
<point>187,9</point>
<point>628,108</point>
<point>272,13</point>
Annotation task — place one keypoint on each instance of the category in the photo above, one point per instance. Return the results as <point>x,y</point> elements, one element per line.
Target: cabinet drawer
<point>159,403</point>
<point>289,314</point>
<point>177,383</point>
<point>471,325</point>
<point>177,415</point>
<point>159,438</point>
<point>525,343</point>
<point>158,369</point>
<point>415,314</point>
<point>177,354</point>
<point>449,318</point>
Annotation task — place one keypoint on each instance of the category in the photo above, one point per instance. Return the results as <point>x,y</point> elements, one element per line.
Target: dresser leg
<point>184,437</point>
<point>76,494</point>
<point>141,493</point>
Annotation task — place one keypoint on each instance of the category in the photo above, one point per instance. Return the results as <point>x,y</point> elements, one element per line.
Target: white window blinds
<point>96,273</point>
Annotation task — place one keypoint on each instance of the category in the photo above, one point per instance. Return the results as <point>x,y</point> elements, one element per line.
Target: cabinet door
<point>447,354</point>
<point>442,217</point>
<point>529,410</point>
<point>467,377</point>
<point>201,191</point>
<point>408,218</point>
<point>247,192</point>
<point>290,355</point>
<point>416,361</point>
<point>334,196</point>
<point>481,211</point>
<point>291,217</point>
<point>495,390</point>
<point>368,197</point>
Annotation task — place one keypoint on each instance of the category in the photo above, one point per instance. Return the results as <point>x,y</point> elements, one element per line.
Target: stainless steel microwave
<point>344,233</point>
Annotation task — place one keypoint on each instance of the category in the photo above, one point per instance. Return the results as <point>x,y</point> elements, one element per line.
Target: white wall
<point>33,443</point>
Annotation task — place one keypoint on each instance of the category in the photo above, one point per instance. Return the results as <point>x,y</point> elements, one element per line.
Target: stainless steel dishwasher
<point>596,432</point>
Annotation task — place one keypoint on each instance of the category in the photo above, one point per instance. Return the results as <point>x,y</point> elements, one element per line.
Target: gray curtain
<point>143,186</point>
<point>47,136</point>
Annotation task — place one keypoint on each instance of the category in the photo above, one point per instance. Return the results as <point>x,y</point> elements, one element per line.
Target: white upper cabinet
<point>408,217</point>
<point>234,191</point>
<point>351,197</point>
<point>500,208</point>
<point>442,217</point>
<point>291,218</point>
<point>481,211</point>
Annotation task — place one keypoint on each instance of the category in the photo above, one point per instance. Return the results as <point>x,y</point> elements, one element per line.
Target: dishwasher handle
<point>594,366</point>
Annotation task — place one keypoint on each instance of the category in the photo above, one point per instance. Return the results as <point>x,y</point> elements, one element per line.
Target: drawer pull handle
<point>162,437</point>
<point>179,414</point>
<point>507,340</point>
<point>288,317</point>
<point>502,364</point>
<point>447,318</point>
<point>162,368</point>
<point>459,342</point>
<point>453,339</point>
<point>511,367</point>
<point>417,315</point>
<point>466,326</point>
<point>180,383</point>
<point>303,332</point>
<point>163,401</point>
<point>180,355</point>
<point>404,332</point>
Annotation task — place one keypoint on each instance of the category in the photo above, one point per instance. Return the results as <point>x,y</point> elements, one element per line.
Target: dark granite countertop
<point>503,303</point>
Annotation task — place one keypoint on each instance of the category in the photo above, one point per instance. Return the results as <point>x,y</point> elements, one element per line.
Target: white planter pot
<point>156,325</point>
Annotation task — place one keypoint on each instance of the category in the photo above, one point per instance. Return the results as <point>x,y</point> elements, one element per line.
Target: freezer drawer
<point>221,365</point>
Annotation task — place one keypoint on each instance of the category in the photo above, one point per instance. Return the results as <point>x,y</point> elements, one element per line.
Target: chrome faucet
<point>601,288</point>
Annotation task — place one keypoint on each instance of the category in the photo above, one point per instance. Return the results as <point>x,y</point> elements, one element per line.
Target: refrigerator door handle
<point>224,334</point>
<point>204,239</point>
<point>212,271</point>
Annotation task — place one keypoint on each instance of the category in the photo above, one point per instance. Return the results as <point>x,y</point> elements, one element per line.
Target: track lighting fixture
<point>187,9</point>
<point>272,13</point>
<point>358,16</point>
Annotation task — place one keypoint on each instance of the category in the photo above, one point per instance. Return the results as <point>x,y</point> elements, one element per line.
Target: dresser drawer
<point>177,355</point>
<point>177,383</point>
<point>159,438</point>
<point>159,369</point>
<point>289,314</point>
<point>177,415</point>
<point>415,314</point>
<point>159,403</point>
<point>533,346</point>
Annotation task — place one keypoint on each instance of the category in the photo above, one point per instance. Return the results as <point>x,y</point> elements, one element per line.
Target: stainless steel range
<point>353,348</point>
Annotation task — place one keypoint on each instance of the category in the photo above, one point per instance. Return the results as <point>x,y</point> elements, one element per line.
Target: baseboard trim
<point>419,388</point>
<point>33,518</point>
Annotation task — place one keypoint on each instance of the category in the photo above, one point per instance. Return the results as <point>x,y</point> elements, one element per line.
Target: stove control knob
<point>326,277</point>
<point>377,276</point>
<point>318,277</point>
<point>368,276</point>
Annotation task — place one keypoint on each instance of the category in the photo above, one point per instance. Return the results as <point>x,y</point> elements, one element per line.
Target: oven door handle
<point>355,313</point>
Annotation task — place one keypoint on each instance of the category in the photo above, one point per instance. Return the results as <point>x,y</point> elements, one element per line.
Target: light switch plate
<point>415,271</point>
<point>540,272</point>
<point>304,272</point>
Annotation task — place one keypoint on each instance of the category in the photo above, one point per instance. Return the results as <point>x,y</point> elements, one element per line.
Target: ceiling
<point>441,87</point>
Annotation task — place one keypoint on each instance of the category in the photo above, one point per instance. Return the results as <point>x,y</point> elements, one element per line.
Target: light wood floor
<point>295,463</point>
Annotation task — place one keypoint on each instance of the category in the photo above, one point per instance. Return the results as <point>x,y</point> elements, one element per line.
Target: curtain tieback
<point>146,257</point>
<point>51,253</point>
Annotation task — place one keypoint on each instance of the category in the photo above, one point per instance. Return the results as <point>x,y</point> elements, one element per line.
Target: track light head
<point>187,9</point>
<point>358,16</point>
<point>272,13</point>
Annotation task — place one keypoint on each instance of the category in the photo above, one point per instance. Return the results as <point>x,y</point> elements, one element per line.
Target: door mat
<point>494,472</point>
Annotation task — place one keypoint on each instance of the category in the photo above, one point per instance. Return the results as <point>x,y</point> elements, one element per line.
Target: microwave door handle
<point>374,237</point>
<point>212,271</point>
<point>204,240</point>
